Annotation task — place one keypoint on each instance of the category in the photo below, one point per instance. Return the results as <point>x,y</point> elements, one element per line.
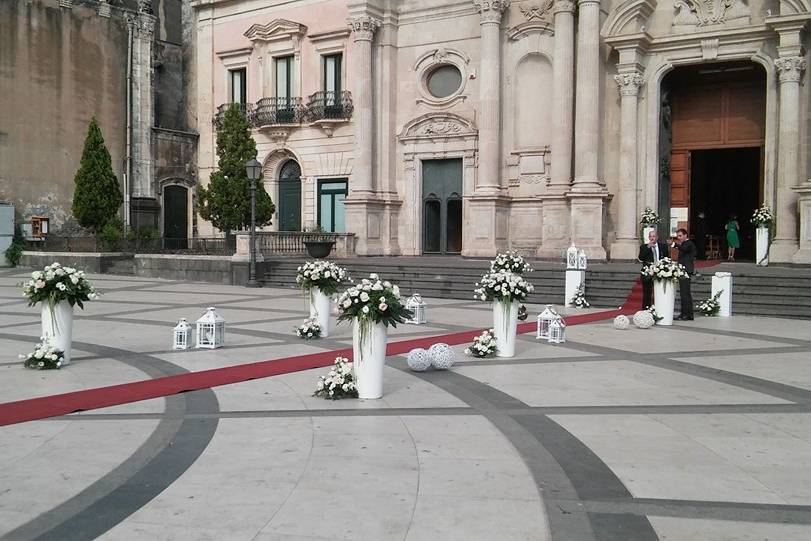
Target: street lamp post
<point>254,170</point>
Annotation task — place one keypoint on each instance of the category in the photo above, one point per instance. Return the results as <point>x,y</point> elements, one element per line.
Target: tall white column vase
<point>505,323</point>
<point>722,281</point>
<point>574,279</point>
<point>369,353</point>
<point>57,326</point>
<point>762,246</point>
<point>664,298</point>
<point>320,309</point>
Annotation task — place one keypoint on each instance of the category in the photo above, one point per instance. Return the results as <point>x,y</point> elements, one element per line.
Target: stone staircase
<point>770,291</point>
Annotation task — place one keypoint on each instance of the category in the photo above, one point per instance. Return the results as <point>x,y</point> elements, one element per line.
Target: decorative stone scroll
<point>790,68</point>
<point>537,12</point>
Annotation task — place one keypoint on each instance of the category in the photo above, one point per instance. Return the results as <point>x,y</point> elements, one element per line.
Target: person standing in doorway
<point>733,242</point>
<point>649,254</point>
<point>687,257</point>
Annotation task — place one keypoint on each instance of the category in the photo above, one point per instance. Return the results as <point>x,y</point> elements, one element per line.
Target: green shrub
<point>111,237</point>
<point>15,251</point>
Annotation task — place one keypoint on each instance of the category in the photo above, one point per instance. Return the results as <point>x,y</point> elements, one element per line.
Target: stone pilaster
<point>626,245</point>
<point>555,228</point>
<point>785,245</point>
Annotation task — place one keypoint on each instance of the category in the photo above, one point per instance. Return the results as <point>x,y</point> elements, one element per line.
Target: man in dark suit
<point>649,254</point>
<point>687,257</point>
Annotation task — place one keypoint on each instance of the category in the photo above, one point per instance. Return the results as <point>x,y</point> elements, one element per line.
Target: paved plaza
<point>701,431</point>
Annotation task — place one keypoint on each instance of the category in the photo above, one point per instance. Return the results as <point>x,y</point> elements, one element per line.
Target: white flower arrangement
<point>44,357</point>
<point>649,217</point>
<point>373,300</point>
<point>505,287</point>
<point>510,262</point>
<point>56,283</point>
<point>483,345</point>
<point>579,299</point>
<point>763,217</point>
<point>711,306</point>
<point>656,317</point>
<point>665,270</point>
<point>325,275</point>
<point>309,330</point>
<point>338,383</point>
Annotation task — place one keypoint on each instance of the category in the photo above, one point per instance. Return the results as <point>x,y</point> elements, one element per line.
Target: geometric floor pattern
<point>697,431</point>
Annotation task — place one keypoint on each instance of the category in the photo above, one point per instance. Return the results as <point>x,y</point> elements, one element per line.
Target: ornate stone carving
<point>363,27</point>
<point>491,10</point>
<point>565,6</point>
<point>695,13</point>
<point>142,25</point>
<point>790,68</point>
<point>629,83</point>
<point>437,125</point>
<point>440,127</point>
<point>536,12</point>
<point>275,30</point>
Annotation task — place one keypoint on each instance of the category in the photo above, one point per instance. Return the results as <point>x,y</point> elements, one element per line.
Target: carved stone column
<point>555,228</point>
<point>790,70</point>
<point>627,244</point>
<point>363,28</point>
<point>489,178</point>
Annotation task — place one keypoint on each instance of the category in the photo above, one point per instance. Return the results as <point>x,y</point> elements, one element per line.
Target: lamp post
<point>254,170</point>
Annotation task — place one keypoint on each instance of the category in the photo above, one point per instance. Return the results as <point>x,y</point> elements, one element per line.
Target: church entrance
<point>714,139</point>
<point>442,206</point>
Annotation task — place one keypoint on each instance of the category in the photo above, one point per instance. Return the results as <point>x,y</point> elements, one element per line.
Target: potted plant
<point>321,279</point>
<point>317,243</point>
<point>664,273</point>
<point>59,289</point>
<point>506,290</point>
<point>372,306</point>
<point>762,219</point>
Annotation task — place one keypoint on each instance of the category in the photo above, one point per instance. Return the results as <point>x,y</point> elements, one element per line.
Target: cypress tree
<point>97,196</point>
<point>226,201</point>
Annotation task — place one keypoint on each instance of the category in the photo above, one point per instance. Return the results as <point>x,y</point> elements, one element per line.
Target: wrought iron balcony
<point>246,109</point>
<point>275,111</point>
<point>330,105</point>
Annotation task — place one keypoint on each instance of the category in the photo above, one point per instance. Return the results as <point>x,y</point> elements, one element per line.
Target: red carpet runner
<point>102,397</point>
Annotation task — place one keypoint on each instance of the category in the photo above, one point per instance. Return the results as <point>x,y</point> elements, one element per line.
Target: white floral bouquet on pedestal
<point>309,330</point>
<point>504,287</point>
<point>56,283</point>
<point>579,299</point>
<point>325,275</point>
<point>510,262</point>
<point>373,300</point>
<point>762,217</point>
<point>44,357</point>
<point>483,345</point>
<point>338,383</point>
<point>711,306</point>
<point>665,270</point>
<point>649,217</point>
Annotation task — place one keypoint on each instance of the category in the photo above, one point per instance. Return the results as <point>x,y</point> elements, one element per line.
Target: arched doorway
<point>175,216</point>
<point>442,206</point>
<point>714,118</point>
<point>290,196</point>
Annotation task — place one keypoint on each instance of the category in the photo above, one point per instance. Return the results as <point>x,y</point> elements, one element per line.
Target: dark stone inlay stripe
<point>625,527</point>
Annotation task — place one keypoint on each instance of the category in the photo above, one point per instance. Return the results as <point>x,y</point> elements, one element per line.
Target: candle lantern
<point>557,331</point>
<point>181,337</point>
<point>582,260</point>
<point>418,308</point>
<point>544,319</point>
<point>210,330</point>
<point>571,257</point>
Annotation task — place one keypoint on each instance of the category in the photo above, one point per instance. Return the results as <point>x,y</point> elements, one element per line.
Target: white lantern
<point>182,335</point>
<point>210,330</point>
<point>417,306</point>
<point>557,331</point>
<point>544,319</point>
<point>582,260</point>
<point>571,257</point>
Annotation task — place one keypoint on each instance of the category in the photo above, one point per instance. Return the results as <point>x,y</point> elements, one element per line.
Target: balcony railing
<point>330,105</point>
<point>246,109</point>
<point>270,111</point>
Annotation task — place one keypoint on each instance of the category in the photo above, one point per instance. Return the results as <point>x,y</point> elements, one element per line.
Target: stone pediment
<point>630,17</point>
<point>438,126</point>
<point>277,29</point>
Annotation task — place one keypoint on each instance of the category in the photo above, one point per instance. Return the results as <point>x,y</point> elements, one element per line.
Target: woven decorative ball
<point>441,356</point>
<point>643,319</point>
<point>419,360</point>
<point>622,322</point>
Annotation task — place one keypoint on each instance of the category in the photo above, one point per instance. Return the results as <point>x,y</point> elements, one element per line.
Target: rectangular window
<point>238,82</point>
<point>284,79</point>
<point>331,195</point>
<point>332,75</point>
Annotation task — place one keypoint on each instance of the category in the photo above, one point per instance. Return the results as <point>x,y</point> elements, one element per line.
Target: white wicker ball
<point>643,319</point>
<point>441,356</point>
<point>621,322</point>
<point>419,360</point>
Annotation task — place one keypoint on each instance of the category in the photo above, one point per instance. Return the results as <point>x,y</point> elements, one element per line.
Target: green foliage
<point>112,235</point>
<point>97,196</point>
<point>226,201</point>
<point>15,251</point>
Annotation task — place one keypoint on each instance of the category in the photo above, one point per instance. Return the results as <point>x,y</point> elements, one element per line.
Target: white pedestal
<point>369,357</point>
<point>505,323</point>
<point>762,246</point>
<point>320,309</point>
<point>574,279</point>
<point>57,326</point>
<point>664,298</point>
<point>723,281</point>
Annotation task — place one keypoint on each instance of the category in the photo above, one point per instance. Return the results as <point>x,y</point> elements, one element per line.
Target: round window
<point>444,81</point>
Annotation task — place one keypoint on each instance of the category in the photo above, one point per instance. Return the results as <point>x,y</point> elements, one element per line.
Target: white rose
<point>365,309</point>
<point>364,296</point>
<point>347,303</point>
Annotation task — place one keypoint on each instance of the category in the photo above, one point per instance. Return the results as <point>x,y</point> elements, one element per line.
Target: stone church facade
<point>477,126</point>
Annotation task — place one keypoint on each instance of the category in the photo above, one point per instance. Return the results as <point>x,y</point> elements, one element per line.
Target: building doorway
<point>442,206</point>
<point>713,134</point>
<point>175,217</point>
<point>290,196</point>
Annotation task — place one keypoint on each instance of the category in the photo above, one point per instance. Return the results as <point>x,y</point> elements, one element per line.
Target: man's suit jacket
<point>646,253</point>
<point>687,255</point>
